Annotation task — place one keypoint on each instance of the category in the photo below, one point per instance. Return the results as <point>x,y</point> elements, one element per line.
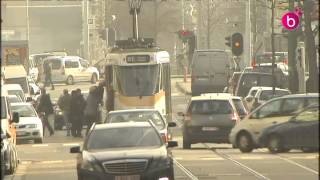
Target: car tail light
<point>165,137</point>
<point>235,117</point>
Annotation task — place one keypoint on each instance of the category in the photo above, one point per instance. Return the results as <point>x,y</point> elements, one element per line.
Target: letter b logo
<point>290,20</point>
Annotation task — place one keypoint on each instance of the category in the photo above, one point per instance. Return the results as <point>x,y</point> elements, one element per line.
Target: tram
<point>137,76</point>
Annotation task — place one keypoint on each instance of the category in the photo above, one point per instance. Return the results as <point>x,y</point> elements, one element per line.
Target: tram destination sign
<point>138,58</point>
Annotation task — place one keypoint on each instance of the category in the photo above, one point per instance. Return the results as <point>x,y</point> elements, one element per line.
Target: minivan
<point>210,71</point>
<point>70,69</point>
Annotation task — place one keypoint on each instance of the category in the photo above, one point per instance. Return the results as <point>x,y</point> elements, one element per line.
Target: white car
<point>30,125</point>
<point>260,94</point>
<point>70,69</point>
<point>14,99</point>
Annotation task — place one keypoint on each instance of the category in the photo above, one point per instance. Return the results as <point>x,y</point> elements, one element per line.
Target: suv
<point>70,69</point>
<point>210,117</point>
<point>278,110</point>
<point>259,95</point>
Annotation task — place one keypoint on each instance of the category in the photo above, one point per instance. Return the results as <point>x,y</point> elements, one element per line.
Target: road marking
<point>178,158</point>
<point>297,164</point>
<point>40,145</point>
<point>303,157</point>
<point>251,157</point>
<point>71,144</point>
<point>185,170</point>
<point>51,162</point>
<point>176,94</point>
<point>211,158</point>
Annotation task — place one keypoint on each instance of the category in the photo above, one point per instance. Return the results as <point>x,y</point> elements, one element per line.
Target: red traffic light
<point>184,33</point>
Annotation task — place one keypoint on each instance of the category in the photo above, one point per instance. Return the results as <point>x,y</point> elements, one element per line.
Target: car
<point>260,94</point>
<point>9,155</point>
<point>210,117</point>
<point>142,115</point>
<point>30,126</point>
<point>14,99</point>
<point>15,89</point>
<point>131,150</point>
<point>244,135</point>
<point>300,132</point>
<point>70,69</point>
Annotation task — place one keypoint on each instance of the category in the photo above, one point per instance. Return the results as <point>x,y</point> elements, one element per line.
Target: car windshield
<point>268,94</point>
<point>17,93</point>
<point>14,99</point>
<point>311,114</point>
<point>24,110</point>
<point>141,116</point>
<point>211,107</point>
<point>138,80</point>
<point>123,137</point>
<point>23,82</point>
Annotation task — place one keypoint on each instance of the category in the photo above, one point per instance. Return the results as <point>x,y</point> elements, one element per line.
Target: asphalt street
<point>52,160</point>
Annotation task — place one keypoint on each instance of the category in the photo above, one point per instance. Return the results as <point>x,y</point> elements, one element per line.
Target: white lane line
<point>185,170</point>
<point>71,144</point>
<point>51,162</point>
<point>251,157</point>
<point>40,145</point>
<point>301,157</point>
<point>300,165</point>
<point>211,158</point>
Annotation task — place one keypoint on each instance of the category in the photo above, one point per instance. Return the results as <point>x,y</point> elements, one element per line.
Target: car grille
<point>20,126</point>
<point>127,166</point>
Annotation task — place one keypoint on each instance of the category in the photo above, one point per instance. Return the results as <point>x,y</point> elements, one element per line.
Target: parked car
<point>14,99</point>
<point>260,94</point>
<point>70,69</point>
<point>15,89</point>
<point>245,134</point>
<point>143,115</point>
<point>210,117</point>
<point>300,132</point>
<point>132,150</point>
<point>30,125</point>
<point>9,156</point>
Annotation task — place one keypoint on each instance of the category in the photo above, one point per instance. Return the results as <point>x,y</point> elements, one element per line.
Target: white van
<point>16,74</point>
<point>70,69</point>
<point>210,71</point>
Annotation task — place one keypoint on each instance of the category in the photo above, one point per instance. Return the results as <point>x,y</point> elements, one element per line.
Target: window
<point>311,101</point>
<point>270,109</point>
<point>308,115</point>
<point>239,106</point>
<point>71,64</point>
<point>55,64</point>
<point>211,107</point>
<point>253,93</point>
<point>268,94</point>
<point>84,63</point>
<point>292,105</point>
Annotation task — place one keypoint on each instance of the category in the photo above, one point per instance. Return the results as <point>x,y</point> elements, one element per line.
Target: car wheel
<point>94,78</point>
<point>69,80</point>
<point>38,141</point>
<point>244,142</point>
<point>186,143</point>
<point>274,144</point>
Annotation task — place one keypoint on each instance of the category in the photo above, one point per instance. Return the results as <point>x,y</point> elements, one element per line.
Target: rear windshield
<point>23,82</point>
<point>268,94</point>
<point>17,93</point>
<point>239,106</point>
<point>210,107</point>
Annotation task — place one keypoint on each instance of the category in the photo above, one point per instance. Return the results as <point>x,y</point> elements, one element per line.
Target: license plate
<point>132,177</point>
<point>209,128</point>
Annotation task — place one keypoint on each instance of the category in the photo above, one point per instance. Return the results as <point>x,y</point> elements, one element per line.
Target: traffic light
<point>185,35</point>
<point>237,44</point>
<point>228,41</point>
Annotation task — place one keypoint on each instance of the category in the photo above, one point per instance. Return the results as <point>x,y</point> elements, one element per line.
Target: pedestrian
<point>92,107</point>
<point>64,104</point>
<point>77,105</point>
<point>82,105</point>
<point>45,109</point>
<point>48,74</point>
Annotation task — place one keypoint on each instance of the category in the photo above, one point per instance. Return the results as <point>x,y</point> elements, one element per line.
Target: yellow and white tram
<point>138,78</point>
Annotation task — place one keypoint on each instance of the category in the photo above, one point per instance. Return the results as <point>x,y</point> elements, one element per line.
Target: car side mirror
<point>75,149</point>
<point>172,144</point>
<point>180,114</point>
<point>15,117</point>
<point>172,124</point>
<point>29,99</point>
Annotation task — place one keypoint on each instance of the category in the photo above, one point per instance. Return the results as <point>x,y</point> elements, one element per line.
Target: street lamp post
<point>272,46</point>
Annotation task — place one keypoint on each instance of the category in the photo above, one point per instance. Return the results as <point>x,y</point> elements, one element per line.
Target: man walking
<point>76,112</point>
<point>64,104</point>
<point>45,107</point>
<point>48,72</point>
<point>91,109</point>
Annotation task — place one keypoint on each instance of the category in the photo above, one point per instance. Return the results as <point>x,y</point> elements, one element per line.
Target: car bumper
<point>30,134</point>
<point>199,134</point>
<point>155,174</point>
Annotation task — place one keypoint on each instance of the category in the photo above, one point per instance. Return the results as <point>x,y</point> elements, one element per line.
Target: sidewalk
<point>184,87</point>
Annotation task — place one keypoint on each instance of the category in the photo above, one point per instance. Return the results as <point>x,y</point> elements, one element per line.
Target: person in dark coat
<point>48,74</point>
<point>92,107</point>
<point>77,105</point>
<point>45,108</point>
<point>64,105</point>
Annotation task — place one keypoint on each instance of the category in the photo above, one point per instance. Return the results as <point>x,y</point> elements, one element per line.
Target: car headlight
<point>91,166</point>
<point>31,126</point>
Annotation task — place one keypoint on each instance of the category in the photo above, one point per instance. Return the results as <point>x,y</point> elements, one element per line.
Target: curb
<point>182,89</point>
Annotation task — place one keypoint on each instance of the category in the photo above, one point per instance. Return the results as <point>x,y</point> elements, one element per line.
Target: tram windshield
<point>142,80</point>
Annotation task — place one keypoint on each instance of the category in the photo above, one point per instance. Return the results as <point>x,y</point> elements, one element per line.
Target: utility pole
<point>272,47</point>
<point>292,46</point>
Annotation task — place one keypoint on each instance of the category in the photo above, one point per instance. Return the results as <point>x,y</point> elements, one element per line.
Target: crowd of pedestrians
<point>76,110</point>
